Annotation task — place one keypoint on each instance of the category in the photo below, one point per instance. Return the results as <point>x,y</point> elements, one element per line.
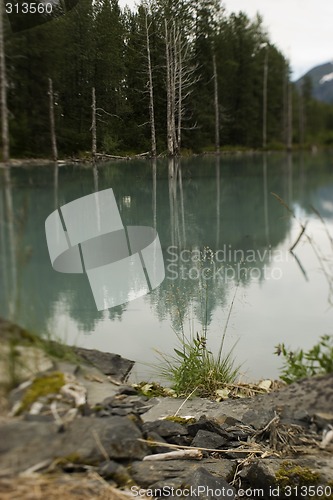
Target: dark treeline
<point>181,73</point>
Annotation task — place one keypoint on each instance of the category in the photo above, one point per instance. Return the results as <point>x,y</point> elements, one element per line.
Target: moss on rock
<point>47,384</point>
<point>291,474</point>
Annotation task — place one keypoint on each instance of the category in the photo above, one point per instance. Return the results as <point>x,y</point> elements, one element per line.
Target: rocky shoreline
<point>74,419</point>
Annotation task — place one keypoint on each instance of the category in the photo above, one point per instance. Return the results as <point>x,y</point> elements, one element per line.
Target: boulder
<point>86,440</point>
<point>109,364</point>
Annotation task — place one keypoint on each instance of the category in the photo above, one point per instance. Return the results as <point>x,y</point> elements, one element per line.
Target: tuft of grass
<point>194,369</point>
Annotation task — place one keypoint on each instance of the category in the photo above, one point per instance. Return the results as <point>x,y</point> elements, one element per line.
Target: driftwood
<point>176,455</point>
<point>240,449</point>
<point>112,157</point>
<point>117,157</point>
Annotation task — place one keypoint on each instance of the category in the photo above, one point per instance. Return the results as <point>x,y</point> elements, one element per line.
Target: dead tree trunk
<point>169,91</point>
<point>3,94</point>
<point>171,72</point>
<point>264,101</point>
<point>52,122</point>
<point>302,118</point>
<point>216,106</point>
<point>289,117</point>
<point>93,124</point>
<point>174,73</point>
<point>288,109</point>
<point>180,93</point>
<point>151,93</point>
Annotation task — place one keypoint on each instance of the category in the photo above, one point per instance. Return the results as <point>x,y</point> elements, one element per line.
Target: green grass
<point>194,369</point>
<point>300,364</point>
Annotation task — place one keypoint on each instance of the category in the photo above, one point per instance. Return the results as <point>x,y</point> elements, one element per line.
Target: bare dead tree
<point>93,124</point>
<point>151,91</point>
<point>185,81</point>
<point>180,79</point>
<point>264,100</point>
<point>289,117</point>
<point>180,93</point>
<point>287,109</point>
<point>216,105</point>
<point>3,93</point>
<point>301,117</point>
<point>169,88</point>
<point>52,122</point>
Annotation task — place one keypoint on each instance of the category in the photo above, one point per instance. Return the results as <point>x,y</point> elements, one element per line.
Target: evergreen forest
<point>172,76</point>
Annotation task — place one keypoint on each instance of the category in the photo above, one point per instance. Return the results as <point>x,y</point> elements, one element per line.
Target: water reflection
<point>219,228</point>
<point>9,243</point>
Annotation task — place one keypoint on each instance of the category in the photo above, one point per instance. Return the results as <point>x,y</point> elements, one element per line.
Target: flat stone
<point>109,364</point>
<point>165,428</point>
<point>121,404</point>
<point>299,400</point>
<point>208,487</point>
<point>207,439</point>
<point>24,444</point>
<point>206,424</point>
<point>97,384</point>
<point>150,474</point>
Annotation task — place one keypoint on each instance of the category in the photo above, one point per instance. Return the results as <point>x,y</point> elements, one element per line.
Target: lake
<point>225,240</point>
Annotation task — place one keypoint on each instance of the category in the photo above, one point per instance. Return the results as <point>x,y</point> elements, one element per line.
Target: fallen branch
<point>112,157</point>
<point>210,450</point>
<point>176,455</point>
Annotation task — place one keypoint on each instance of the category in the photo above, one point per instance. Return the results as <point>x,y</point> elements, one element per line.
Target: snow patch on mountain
<point>326,78</point>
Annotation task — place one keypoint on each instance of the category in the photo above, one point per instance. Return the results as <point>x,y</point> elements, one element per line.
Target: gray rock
<point>97,383</point>
<point>128,390</point>
<point>207,439</point>
<point>299,400</point>
<point>124,405</point>
<point>262,473</point>
<point>24,444</point>
<point>165,428</point>
<point>109,364</point>
<point>322,420</point>
<point>167,473</point>
<point>206,486</point>
<point>153,436</point>
<point>206,424</point>
<point>112,471</point>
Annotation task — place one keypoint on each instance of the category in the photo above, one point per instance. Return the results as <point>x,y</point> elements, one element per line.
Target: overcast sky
<point>301,29</point>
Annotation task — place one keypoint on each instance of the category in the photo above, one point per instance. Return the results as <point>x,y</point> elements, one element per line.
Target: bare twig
<point>100,445</point>
<point>176,455</point>
<point>303,228</point>
<point>188,397</point>
<point>210,450</point>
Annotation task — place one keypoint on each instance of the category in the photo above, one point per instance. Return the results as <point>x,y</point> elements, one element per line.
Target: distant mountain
<point>322,82</point>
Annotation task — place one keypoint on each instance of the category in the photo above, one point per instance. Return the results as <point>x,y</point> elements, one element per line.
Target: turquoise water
<point>225,240</point>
